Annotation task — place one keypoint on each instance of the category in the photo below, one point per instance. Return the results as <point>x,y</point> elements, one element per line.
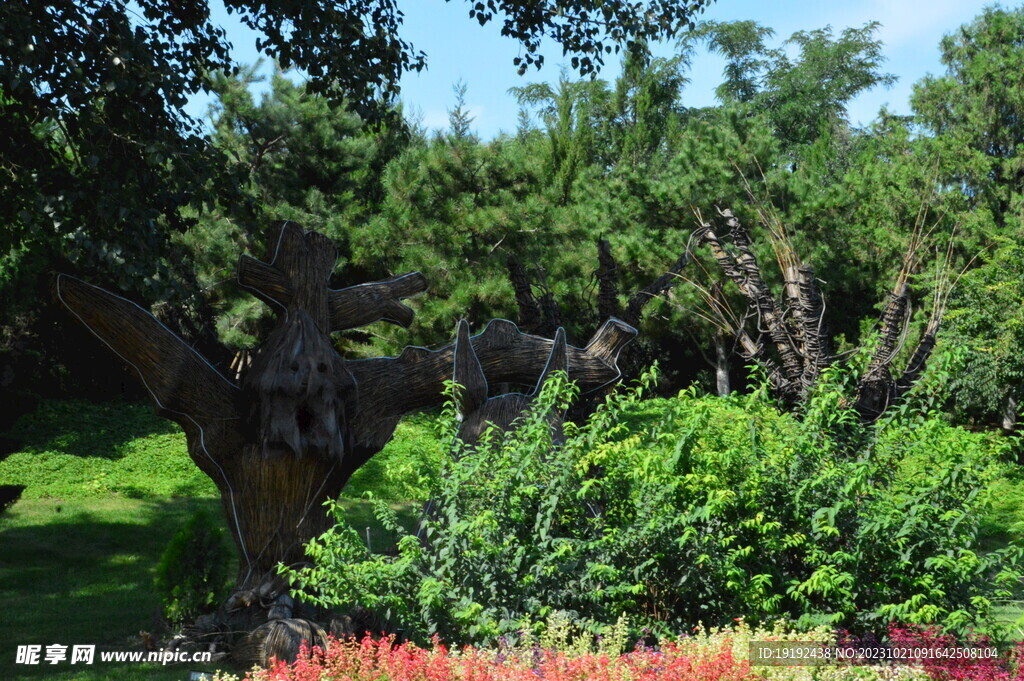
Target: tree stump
<point>277,639</point>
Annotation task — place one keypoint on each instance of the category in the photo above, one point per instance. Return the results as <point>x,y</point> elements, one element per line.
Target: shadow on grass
<point>73,449</point>
<point>81,572</point>
<point>195,487</point>
<point>8,495</point>
<point>87,429</point>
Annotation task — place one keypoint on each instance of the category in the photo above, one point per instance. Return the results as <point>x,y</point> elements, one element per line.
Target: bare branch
<point>743,269</point>
<point>364,304</point>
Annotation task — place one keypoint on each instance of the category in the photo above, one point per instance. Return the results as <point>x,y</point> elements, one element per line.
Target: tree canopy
<point>592,199</point>
<point>101,162</point>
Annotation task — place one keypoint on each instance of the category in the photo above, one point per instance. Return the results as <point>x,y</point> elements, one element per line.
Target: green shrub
<point>192,576</point>
<point>693,509</point>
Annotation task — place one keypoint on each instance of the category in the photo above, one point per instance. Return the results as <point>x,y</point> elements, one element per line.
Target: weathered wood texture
<point>797,332</point>
<point>278,639</point>
<point>180,382</point>
<point>304,419</point>
<point>480,411</point>
<point>740,265</point>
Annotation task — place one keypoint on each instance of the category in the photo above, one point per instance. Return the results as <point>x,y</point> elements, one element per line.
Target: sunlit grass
<point>107,486</point>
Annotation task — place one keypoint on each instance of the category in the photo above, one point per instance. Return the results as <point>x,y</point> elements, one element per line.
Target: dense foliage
<point>192,577</point>
<point>629,162</point>
<point>625,160</point>
<point>692,509</point>
<point>101,166</point>
<point>986,320</point>
<point>673,510</point>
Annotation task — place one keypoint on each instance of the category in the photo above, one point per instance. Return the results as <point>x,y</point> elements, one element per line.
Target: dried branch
<point>181,383</point>
<point>742,268</point>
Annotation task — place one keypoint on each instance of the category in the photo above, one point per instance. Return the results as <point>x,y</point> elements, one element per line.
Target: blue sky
<point>458,48</point>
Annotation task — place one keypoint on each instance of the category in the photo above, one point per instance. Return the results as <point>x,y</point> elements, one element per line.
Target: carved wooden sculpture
<point>304,419</point>
<point>478,411</point>
<point>795,325</point>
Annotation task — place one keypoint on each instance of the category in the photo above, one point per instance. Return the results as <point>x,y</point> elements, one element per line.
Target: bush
<point>192,576</point>
<point>686,510</point>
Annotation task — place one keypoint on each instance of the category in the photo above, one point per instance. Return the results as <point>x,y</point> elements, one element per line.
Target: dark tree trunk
<point>275,507</point>
<point>722,386</point>
<point>542,316</point>
<point>1009,416</point>
<point>607,282</point>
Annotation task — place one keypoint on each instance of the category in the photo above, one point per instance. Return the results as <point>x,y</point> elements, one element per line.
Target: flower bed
<point>707,655</point>
<point>381,659</point>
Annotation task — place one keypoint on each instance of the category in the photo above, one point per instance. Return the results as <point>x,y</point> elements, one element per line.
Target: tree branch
<point>638,301</point>
<point>349,308</point>
<point>181,383</point>
<point>392,386</point>
<point>918,361</point>
<point>364,304</point>
<point>816,349</point>
<point>743,269</point>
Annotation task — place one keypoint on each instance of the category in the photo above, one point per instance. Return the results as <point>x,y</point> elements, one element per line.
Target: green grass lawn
<point>80,571</point>
<point>107,486</point>
<point>76,449</point>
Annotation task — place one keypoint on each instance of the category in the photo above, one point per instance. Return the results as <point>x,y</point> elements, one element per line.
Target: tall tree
<point>99,160</point>
<point>801,96</point>
<point>645,106</point>
<point>979,104</point>
<point>572,117</point>
<point>296,156</point>
<point>975,111</point>
<point>986,319</point>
